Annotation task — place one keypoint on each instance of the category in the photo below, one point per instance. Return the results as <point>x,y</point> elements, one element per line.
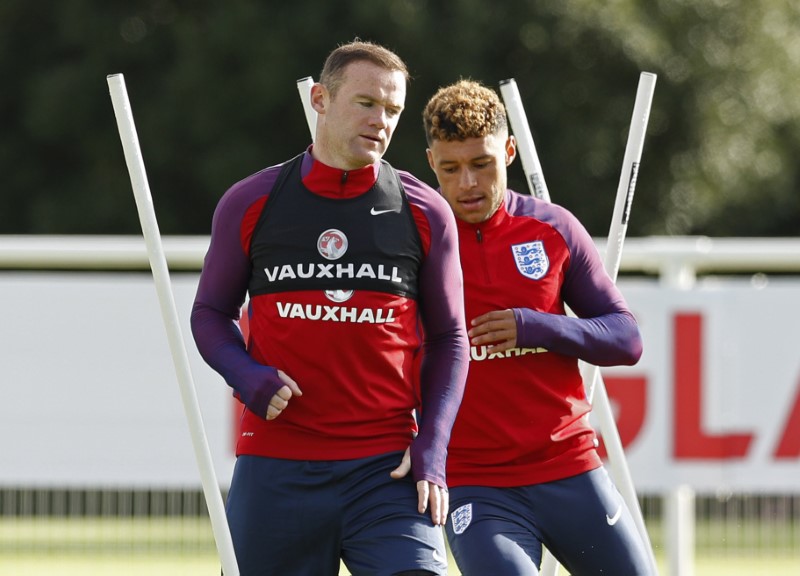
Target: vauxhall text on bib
<point>304,241</point>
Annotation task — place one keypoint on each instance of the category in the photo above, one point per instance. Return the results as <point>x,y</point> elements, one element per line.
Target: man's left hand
<point>428,493</point>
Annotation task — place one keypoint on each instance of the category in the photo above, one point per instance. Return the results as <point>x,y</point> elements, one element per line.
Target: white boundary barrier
<point>677,260</point>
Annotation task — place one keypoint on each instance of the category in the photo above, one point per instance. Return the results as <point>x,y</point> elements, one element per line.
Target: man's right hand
<point>280,400</point>
<point>496,329</point>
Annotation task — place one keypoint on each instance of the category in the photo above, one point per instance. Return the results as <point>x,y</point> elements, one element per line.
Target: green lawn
<point>184,546</point>
<point>205,564</point>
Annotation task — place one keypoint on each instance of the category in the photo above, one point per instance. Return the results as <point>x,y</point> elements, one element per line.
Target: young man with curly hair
<point>523,467</point>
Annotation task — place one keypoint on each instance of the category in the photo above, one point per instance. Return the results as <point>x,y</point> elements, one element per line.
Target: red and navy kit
<point>524,416</point>
<point>340,268</point>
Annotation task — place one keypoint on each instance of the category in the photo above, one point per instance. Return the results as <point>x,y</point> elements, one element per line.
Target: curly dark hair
<point>466,109</point>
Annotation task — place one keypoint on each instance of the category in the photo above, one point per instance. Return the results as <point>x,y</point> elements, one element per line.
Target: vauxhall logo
<point>317,270</point>
<point>332,244</point>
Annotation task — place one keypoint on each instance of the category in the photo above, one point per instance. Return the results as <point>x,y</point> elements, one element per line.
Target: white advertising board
<point>715,400</point>
<point>89,395</point>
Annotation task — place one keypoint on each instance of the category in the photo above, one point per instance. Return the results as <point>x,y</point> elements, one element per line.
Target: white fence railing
<point>676,260</point>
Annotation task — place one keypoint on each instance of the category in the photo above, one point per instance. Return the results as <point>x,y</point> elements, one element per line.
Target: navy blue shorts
<point>291,517</point>
<point>583,521</point>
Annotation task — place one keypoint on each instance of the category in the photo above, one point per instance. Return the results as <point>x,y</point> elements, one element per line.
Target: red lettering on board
<point>789,444</point>
<point>691,441</point>
<point>629,397</point>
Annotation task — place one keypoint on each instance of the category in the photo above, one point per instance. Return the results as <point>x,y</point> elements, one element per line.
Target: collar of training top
<point>335,183</point>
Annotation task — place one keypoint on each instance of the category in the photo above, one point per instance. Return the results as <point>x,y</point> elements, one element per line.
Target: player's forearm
<point>446,349</point>
<point>443,375</point>
<point>608,340</point>
<point>222,346</point>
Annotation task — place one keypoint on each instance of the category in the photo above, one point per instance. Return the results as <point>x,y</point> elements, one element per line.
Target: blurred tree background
<point>213,91</point>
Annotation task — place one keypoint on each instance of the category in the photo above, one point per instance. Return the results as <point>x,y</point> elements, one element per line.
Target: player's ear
<point>319,98</point>
<point>511,149</point>
<point>430,158</point>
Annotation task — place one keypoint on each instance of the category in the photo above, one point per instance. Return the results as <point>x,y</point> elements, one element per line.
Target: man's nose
<point>467,179</point>
<point>380,117</point>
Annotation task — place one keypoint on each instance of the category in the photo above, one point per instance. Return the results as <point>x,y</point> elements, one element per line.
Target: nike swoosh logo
<point>375,212</point>
<point>613,519</point>
<point>438,557</point>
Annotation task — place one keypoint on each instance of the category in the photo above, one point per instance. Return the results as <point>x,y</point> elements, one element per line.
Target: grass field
<point>97,565</point>
<point>184,546</point>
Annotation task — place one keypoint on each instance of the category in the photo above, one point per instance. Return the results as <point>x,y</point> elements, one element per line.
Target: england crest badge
<point>461,517</point>
<point>531,259</point>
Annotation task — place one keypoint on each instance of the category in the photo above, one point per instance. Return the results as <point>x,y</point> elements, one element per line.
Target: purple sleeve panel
<point>605,332</point>
<point>607,340</point>
<point>446,347</point>
<point>221,292</point>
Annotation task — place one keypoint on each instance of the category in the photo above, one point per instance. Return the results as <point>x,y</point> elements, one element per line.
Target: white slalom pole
<point>158,263</point>
<point>613,256</point>
<point>304,87</point>
<point>602,404</point>
<point>627,181</point>
<point>630,170</point>
<point>522,132</point>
